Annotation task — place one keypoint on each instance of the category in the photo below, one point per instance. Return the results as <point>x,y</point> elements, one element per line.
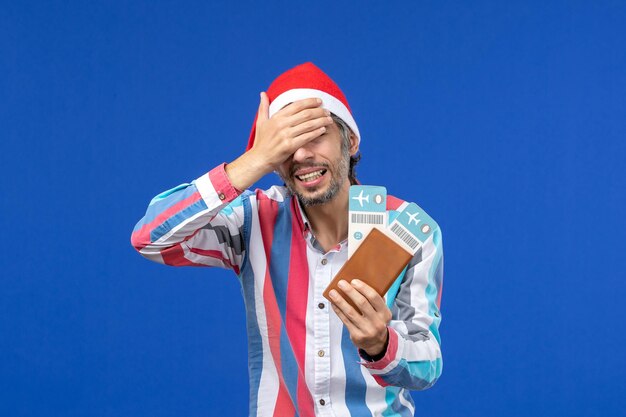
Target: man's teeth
<point>311,175</point>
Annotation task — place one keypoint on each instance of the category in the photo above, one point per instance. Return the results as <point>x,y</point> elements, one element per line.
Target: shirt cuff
<point>390,354</point>
<point>215,184</point>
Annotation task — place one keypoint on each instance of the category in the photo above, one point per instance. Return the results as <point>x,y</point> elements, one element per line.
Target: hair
<point>345,132</point>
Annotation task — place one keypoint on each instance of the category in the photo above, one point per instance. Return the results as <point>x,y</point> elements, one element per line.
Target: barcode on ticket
<point>403,234</point>
<point>365,218</point>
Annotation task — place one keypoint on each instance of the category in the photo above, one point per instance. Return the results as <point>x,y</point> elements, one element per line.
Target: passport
<point>378,261</point>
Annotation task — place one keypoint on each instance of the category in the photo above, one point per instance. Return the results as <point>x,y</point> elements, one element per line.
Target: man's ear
<point>354,144</point>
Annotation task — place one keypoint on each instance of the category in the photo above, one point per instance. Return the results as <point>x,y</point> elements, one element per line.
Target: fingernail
<point>327,112</point>
<point>319,101</point>
<point>333,294</point>
<point>356,282</point>
<point>342,284</point>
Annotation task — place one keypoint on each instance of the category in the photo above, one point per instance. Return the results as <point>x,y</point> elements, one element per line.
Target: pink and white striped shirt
<point>301,360</point>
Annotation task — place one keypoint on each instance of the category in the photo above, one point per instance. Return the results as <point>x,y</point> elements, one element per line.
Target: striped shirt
<point>300,356</point>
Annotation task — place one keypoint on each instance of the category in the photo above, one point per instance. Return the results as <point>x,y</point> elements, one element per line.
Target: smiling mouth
<point>311,175</point>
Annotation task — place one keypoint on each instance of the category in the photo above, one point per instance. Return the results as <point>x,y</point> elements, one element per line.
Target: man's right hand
<point>277,138</point>
<point>290,128</point>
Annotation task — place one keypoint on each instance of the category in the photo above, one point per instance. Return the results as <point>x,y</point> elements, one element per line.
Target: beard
<point>338,171</point>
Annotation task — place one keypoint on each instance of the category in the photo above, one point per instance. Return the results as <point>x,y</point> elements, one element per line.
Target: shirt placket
<point>322,337</point>
<point>323,275</point>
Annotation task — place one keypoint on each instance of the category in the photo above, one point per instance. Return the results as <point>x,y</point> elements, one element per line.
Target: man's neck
<point>329,221</point>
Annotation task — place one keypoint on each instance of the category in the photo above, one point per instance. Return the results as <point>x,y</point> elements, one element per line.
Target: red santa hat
<point>307,81</point>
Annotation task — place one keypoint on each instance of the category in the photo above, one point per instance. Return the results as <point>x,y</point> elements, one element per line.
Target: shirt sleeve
<point>413,358</point>
<point>195,224</point>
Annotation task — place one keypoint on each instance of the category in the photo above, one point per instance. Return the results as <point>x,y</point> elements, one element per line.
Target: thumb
<point>264,108</point>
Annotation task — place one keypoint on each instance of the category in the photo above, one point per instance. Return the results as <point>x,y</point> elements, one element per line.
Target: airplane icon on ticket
<point>361,199</point>
<point>413,217</point>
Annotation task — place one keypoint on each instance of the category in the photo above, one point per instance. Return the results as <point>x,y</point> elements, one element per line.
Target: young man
<point>285,244</point>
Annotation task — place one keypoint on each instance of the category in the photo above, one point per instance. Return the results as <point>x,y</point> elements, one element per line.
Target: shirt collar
<point>302,219</point>
<point>305,227</point>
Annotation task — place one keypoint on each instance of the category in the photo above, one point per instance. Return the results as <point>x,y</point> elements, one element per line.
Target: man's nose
<point>302,154</point>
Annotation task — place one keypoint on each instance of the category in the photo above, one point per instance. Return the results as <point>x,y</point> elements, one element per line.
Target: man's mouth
<point>310,176</point>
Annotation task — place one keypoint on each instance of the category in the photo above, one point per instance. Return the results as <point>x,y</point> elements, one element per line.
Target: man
<point>286,244</point>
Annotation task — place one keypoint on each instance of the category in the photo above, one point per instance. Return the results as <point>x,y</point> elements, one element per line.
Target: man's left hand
<point>368,329</point>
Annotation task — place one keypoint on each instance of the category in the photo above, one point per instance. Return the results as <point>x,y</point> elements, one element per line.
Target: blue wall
<point>514,112</point>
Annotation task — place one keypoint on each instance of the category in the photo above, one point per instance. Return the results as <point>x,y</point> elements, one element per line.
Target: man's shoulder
<point>396,205</point>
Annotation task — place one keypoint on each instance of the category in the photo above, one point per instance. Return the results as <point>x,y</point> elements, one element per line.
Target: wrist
<point>257,163</point>
<point>379,349</point>
<point>246,170</point>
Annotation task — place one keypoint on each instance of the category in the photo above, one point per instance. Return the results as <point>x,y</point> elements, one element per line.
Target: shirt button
<point>221,196</point>
<point>322,402</point>
<point>321,306</point>
<point>320,353</point>
<point>324,261</point>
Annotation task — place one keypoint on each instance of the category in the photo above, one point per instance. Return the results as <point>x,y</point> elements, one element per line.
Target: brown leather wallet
<point>378,261</point>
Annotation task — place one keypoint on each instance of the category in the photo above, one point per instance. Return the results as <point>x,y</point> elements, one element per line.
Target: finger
<point>303,139</point>
<point>357,298</point>
<point>376,301</point>
<point>344,319</point>
<point>310,125</point>
<point>348,311</point>
<point>297,106</point>
<point>264,108</point>
<point>306,115</point>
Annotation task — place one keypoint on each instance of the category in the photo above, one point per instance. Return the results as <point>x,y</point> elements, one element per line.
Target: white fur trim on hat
<point>329,102</point>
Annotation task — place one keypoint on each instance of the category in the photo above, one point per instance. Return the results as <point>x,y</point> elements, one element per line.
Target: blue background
<point>504,120</point>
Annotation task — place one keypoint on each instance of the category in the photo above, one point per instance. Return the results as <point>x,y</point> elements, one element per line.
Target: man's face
<point>316,172</point>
